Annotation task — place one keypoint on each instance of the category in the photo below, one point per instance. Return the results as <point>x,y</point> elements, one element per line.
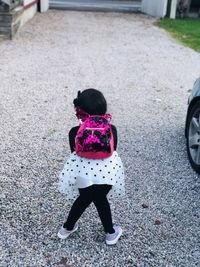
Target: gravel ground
<point>145,76</point>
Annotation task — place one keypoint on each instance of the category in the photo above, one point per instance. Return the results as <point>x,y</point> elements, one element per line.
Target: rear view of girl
<point>94,170</point>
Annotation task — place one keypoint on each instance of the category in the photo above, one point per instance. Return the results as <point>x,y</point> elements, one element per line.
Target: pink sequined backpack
<point>94,139</point>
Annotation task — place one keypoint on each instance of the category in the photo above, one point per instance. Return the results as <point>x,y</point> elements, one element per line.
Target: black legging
<point>98,195</point>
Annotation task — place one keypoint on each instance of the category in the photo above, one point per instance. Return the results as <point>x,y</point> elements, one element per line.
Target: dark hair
<point>91,101</point>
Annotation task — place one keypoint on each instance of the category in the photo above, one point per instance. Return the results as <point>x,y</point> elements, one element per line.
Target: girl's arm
<point>72,135</point>
<point>114,130</point>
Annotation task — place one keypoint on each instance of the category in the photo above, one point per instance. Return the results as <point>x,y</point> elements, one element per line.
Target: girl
<point>91,180</point>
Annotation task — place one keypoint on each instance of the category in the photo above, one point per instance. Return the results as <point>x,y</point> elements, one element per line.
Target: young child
<point>91,180</point>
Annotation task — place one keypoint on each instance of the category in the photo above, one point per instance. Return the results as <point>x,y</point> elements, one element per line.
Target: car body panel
<point>194,96</point>
<point>195,91</point>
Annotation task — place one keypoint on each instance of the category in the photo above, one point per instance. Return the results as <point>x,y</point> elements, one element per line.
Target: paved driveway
<point>145,76</point>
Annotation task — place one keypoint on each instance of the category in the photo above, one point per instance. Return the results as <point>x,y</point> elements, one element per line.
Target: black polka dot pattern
<point>104,171</point>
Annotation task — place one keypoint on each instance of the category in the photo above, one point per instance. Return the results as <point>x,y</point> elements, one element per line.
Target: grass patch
<point>187,31</point>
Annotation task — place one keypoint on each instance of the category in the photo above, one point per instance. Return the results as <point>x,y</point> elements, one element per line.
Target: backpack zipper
<point>93,129</point>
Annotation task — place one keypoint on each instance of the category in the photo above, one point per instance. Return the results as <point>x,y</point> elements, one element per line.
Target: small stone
<point>63,261</point>
<point>145,206</point>
<point>157,222</point>
<point>158,100</point>
<point>152,253</point>
<point>129,259</point>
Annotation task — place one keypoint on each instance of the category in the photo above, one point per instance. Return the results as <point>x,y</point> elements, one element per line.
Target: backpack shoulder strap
<point>108,117</point>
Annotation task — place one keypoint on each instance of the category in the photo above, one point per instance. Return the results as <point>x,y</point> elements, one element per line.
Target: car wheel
<point>193,137</point>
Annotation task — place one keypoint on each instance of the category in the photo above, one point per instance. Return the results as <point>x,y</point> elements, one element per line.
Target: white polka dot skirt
<point>80,172</point>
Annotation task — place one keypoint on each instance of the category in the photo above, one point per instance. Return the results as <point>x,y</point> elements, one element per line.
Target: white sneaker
<point>64,233</point>
<point>111,239</point>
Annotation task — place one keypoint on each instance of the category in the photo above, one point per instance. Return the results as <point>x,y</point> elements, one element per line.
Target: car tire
<point>193,137</point>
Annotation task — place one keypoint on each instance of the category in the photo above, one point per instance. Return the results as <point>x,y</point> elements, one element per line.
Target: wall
<point>155,8</point>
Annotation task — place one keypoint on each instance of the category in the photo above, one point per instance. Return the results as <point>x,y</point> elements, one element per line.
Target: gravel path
<point>145,76</point>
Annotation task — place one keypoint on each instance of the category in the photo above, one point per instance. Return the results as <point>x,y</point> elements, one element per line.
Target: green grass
<point>187,31</point>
